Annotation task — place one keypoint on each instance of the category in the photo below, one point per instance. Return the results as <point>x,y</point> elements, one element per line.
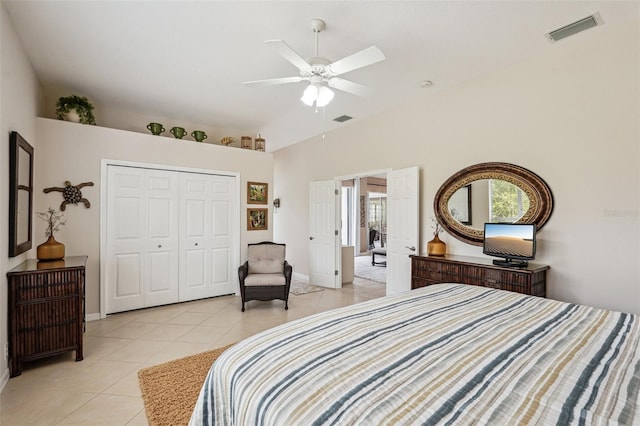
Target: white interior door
<point>206,236</point>
<point>403,227</point>
<point>324,238</point>
<point>142,241</point>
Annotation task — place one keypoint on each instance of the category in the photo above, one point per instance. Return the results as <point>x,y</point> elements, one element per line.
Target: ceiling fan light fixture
<point>320,95</point>
<point>310,94</point>
<point>325,95</point>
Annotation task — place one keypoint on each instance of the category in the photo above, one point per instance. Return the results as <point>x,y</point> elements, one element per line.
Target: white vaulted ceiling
<point>187,59</point>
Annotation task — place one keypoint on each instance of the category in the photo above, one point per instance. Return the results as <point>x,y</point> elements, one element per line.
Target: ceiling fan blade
<point>349,86</point>
<point>289,54</point>
<point>363,58</point>
<point>272,81</point>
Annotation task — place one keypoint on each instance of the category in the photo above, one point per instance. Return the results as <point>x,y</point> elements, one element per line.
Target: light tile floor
<point>103,388</point>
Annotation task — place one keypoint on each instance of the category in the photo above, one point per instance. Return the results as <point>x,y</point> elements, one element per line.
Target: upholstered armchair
<point>265,275</point>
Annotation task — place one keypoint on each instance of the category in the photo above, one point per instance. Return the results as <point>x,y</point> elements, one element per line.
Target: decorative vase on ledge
<point>436,247</point>
<point>50,250</point>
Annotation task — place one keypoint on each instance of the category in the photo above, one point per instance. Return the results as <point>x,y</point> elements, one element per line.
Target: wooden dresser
<point>478,271</point>
<point>46,309</point>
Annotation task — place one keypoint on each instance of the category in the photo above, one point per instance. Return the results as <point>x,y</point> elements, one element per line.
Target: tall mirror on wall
<point>20,194</point>
<point>491,193</point>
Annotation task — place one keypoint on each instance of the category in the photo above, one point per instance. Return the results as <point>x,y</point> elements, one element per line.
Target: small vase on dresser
<point>50,250</point>
<point>436,247</point>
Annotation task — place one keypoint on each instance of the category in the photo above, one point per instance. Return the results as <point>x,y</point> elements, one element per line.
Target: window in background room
<point>377,218</point>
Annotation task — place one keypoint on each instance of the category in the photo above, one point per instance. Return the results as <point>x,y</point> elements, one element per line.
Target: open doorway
<point>364,225</point>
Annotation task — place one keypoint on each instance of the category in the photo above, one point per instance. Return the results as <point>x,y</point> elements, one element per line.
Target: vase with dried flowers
<point>436,247</point>
<point>51,249</point>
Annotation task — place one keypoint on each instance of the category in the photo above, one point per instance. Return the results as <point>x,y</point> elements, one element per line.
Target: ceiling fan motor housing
<point>318,25</point>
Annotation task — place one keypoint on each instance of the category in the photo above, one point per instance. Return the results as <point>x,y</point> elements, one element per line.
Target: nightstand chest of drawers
<point>46,310</point>
<point>428,270</point>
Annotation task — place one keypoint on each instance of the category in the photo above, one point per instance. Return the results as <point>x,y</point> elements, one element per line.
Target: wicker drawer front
<point>436,272</point>
<point>511,281</point>
<point>42,286</point>
<point>47,326</point>
<point>473,275</point>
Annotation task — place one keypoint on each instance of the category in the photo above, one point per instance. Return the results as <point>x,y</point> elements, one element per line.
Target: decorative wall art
<point>257,193</point>
<point>257,219</point>
<point>71,194</point>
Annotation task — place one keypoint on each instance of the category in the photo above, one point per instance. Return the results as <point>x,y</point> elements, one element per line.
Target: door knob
<point>311,238</point>
<point>196,243</point>
<point>412,248</point>
<point>159,246</point>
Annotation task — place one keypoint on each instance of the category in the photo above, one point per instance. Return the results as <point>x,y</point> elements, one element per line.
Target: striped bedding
<point>444,354</point>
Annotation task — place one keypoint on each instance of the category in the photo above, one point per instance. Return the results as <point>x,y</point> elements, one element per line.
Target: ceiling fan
<point>320,72</point>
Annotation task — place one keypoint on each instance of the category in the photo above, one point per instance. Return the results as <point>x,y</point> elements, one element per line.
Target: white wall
<point>20,102</point>
<point>73,152</point>
<point>571,116</point>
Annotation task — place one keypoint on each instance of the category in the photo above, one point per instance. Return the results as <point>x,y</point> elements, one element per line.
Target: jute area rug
<point>170,390</point>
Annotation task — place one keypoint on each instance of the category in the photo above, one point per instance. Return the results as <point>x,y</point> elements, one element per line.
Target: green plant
<point>81,104</point>
<point>55,220</point>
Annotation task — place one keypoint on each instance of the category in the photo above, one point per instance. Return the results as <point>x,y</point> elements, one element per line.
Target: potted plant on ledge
<point>75,108</point>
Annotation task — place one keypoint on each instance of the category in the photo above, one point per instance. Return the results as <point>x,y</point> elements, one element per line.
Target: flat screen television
<point>514,243</point>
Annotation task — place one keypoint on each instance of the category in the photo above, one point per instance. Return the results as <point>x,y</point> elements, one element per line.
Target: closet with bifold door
<point>170,236</point>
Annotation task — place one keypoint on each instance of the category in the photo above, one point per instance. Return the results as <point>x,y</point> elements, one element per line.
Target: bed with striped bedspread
<point>443,354</point>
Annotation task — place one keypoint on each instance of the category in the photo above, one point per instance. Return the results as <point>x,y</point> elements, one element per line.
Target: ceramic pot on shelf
<point>50,250</point>
<point>436,247</point>
<point>199,135</point>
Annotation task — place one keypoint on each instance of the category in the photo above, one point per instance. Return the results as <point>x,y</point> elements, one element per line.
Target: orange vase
<point>436,247</point>
<point>50,250</point>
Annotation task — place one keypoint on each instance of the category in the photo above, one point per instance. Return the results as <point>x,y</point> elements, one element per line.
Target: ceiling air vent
<point>342,118</point>
<point>576,27</point>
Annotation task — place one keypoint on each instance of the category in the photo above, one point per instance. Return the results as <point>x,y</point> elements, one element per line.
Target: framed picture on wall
<point>257,219</point>
<point>257,193</point>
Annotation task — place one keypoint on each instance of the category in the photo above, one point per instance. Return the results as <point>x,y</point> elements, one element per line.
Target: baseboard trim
<point>92,317</point>
<point>4,379</point>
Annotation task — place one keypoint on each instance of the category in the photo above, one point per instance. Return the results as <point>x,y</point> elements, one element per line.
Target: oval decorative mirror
<point>491,192</point>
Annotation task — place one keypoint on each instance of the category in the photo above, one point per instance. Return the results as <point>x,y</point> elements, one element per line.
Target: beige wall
<point>74,152</point>
<point>20,103</point>
<point>571,116</point>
